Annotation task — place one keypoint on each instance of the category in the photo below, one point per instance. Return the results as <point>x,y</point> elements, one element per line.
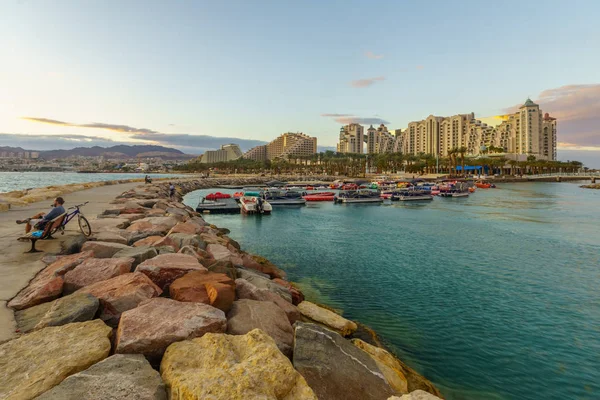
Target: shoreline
<point>218,246</point>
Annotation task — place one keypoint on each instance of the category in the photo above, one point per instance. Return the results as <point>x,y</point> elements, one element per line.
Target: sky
<point>196,74</point>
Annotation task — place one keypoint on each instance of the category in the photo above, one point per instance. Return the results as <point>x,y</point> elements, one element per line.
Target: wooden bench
<point>49,229</point>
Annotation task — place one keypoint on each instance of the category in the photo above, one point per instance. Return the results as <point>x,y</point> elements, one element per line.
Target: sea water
<point>10,181</point>
<point>494,296</point>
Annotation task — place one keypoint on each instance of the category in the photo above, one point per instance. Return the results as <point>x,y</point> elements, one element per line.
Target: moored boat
<point>283,197</point>
<point>217,196</point>
<point>254,205</point>
<point>358,196</point>
<point>319,196</point>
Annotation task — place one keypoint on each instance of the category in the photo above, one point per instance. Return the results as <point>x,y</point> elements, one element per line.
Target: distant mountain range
<point>119,151</point>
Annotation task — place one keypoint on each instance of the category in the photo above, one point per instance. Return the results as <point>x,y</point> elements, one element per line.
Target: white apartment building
<point>287,145</point>
<point>352,137</point>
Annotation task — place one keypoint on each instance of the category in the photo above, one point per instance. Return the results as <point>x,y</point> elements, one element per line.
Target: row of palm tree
<point>357,165</point>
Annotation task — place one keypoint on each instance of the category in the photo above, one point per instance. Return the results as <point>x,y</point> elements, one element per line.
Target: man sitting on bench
<point>57,209</point>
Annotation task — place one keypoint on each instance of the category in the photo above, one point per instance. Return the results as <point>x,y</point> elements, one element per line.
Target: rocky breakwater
<point>164,305</point>
<point>591,186</point>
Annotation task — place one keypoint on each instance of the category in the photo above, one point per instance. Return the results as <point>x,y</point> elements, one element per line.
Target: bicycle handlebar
<point>78,205</point>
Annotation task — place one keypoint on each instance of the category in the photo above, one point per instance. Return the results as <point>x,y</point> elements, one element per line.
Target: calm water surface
<point>10,181</point>
<point>495,296</point>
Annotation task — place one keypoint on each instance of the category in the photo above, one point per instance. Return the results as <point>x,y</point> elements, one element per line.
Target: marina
<point>445,261</point>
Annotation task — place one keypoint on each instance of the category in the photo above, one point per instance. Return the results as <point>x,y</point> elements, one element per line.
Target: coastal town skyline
<point>82,84</point>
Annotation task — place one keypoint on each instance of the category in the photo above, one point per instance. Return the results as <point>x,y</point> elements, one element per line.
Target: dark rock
<point>139,254</point>
<point>224,267</point>
<point>73,244</point>
<point>119,377</point>
<point>73,308</point>
<point>246,290</point>
<point>246,315</point>
<point>334,368</point>
<point>261,282</point>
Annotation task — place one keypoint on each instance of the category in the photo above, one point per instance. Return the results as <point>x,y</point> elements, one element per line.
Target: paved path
<point>17,268</point>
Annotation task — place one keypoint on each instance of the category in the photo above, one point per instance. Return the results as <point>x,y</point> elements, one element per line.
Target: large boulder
<point>263,265</point>
<point>103,249</point>
<point>399,375</point>
<point>332,320</point>
<point>165,268</point>
<point>147,241</point>
<point>121,293</point>
<point>38,361</point>
<point>262,281</point>
<point>222,267</point>
<point>73,308</point>
<point>186,239</point>
<point>387,364</point>
<point>95,270</point>
<point>334,368</point>
<point>154,224</point>
<point>220,252</point>
<point>48,284</point>
<point>203,257</point>
<point>246,290</point>
<point>151,327</point>
<point>297,295</point>
<point>218,290</point>
<point>226,367</point>
<point>119,377</point>
<point>188,227</point>
<point>139,254</point>
<point>109,236</point>
<point>168,242</point>
<point>246,315</point>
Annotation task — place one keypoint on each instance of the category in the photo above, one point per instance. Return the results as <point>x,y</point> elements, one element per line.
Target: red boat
<point>217,196</point>
<point>323,196</point>
<point>350,186</point>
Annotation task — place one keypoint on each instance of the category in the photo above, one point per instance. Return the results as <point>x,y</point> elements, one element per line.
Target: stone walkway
<point>17,268</point>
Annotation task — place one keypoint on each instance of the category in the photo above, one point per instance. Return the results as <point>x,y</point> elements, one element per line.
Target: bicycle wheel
<point>85,226</point>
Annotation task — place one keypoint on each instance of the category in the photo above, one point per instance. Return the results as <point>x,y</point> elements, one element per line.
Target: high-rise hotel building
<point>525,132</point>
<point>286,146</point>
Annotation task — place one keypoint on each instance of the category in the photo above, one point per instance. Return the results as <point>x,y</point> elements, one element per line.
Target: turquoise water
<point>10,181</point>
<point>495,296</point>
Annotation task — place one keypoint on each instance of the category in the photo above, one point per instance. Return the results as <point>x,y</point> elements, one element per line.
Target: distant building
<point>380,140</point>
<point>351,139</point>
<point>227,152</point>
<point>286,146</point>
<point>258,153</point>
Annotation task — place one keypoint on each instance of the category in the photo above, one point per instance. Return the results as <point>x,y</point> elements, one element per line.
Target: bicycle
<point>84,224</point>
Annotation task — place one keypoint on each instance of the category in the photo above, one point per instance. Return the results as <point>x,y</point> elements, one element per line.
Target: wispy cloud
<point>182,141</point>
<point>373,56</point>
<point>345,119</point>
<point>361,83</point>
<point>420,67</point>
<point>577,109</point>
<point>94,125</point>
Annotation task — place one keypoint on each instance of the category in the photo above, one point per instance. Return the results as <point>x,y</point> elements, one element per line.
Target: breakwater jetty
<point>160,304</point>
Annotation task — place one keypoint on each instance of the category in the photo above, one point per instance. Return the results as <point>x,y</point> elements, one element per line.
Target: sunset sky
<point>196,74</point>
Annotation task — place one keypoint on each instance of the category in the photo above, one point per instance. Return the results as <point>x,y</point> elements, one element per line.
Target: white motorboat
<point>255,205</point>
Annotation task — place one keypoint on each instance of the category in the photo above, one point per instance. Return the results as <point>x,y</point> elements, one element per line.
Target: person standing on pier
<point>171,190</point>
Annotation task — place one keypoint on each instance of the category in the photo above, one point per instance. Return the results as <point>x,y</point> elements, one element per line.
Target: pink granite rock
<point>95,270</point>
<point>218,290</point>
<point>48,284</point>
<point>121,293</point>
<point>165,268</point>
<point>151,327</point>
